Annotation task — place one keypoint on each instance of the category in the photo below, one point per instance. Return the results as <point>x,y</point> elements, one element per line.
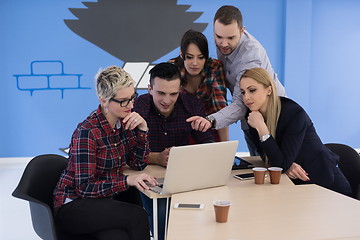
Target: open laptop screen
<point>199,166</point>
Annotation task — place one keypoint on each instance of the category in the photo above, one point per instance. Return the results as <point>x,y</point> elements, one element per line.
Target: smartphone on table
<point>244,176</point>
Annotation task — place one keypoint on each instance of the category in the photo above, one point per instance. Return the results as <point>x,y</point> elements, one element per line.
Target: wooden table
<point>267,211</point>
<point>159,172</point>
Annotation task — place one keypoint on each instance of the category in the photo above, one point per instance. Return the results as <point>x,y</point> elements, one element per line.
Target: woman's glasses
<point>124,103</point>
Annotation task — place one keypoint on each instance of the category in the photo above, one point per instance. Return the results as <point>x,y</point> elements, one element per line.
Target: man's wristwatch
<point>211,119</point>
<point>264,137</point>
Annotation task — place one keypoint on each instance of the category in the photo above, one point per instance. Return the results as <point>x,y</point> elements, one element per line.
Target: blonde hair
<point>274,105</point>
<point>110,80</point>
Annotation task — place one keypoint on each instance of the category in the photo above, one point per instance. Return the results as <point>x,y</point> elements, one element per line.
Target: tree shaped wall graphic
<point>134,30</point>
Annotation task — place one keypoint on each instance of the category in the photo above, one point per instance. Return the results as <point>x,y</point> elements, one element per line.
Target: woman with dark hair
<point>285,136</point>
<point>202,76</point>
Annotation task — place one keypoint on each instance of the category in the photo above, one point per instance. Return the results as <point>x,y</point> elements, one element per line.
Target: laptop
<point>198,166</point>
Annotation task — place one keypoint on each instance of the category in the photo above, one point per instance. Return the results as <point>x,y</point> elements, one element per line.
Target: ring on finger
<point>135,120</point>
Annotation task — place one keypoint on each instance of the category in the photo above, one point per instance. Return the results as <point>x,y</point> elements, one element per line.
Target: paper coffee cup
<point>259,175</point>
<point>221,208</point>
<point>275,174</point>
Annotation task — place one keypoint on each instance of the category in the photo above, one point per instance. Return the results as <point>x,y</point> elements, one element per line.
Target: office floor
<point>15,220</point>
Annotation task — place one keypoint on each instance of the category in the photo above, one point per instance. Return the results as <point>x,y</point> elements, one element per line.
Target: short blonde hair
<point>274,105</point>
<point>110,80</point>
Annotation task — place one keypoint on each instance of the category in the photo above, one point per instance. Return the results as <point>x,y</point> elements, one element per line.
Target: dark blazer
<point>297,141</point>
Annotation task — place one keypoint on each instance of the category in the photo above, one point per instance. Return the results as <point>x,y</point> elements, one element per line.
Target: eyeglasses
<point>126,102</point>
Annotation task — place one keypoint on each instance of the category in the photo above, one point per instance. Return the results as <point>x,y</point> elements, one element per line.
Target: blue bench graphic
<point>48,75</point>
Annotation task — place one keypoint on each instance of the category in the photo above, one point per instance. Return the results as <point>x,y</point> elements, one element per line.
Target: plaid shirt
<point>173,130</point>
<point>212,90</point>
<point>98,155</point>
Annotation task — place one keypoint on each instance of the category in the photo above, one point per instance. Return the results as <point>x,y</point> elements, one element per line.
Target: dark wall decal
<point>134,30</point>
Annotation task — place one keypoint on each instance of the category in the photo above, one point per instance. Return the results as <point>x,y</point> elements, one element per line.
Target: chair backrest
<point>36,186</point>
<point>349,165</point>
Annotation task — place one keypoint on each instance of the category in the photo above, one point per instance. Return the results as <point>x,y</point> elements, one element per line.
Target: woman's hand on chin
<point>134,120</point>
<point>257,121</point>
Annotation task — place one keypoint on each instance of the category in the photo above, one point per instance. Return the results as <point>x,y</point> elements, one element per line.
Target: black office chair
<point>36,186</point>
<point>349,165</point>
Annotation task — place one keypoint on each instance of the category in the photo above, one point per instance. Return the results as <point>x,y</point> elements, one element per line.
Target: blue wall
<point>321,62</point>
<point>313,46</point>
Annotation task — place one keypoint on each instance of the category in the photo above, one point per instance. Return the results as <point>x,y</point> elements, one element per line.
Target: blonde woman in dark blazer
<point>285,135</point>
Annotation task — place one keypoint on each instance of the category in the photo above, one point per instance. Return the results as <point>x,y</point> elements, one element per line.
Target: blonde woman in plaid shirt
<point>93,198</point>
